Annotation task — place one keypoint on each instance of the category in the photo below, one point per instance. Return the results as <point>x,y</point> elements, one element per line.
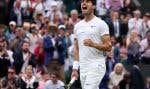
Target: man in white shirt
<point>92,39</point>
<point>54,83</point>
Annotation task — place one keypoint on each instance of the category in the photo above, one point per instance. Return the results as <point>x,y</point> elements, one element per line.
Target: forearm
<point>102,47</point>
<point>76,57</point>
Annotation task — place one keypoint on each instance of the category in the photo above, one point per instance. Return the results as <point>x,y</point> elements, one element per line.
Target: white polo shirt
<point>93,30</point>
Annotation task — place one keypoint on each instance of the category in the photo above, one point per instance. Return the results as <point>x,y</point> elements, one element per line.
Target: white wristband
<point>75,65</point>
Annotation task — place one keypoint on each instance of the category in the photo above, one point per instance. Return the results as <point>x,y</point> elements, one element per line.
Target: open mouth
<point>84,8</point>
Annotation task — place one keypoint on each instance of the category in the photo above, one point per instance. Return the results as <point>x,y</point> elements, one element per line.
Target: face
<point>29,71</point>
<point>11,73</point>
<point>87,7</point>
<point>56,16</point>
<point>118,69</point>
<point>25,47</point>
<point>54,78</point>
<point>18,32</point>
<point>115,15</point>
<point>74,15</point>
<point>12,27</point>
<point>46,77</point>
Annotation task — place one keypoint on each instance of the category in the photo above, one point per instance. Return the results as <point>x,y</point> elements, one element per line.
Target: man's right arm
<point>76,50</point>
<point>76,60</point>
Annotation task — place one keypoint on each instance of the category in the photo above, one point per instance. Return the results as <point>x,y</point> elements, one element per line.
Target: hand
<point>88,42</point>
<point>74,74</point>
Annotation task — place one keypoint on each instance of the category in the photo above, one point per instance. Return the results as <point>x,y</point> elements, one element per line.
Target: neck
<point>89,17</point>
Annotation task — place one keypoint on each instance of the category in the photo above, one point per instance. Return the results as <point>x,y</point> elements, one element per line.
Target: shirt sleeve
<point>75,32</point>
<point>104,29</point>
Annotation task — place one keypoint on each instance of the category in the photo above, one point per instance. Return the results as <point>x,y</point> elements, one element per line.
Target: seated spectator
<point>133,48</point>
<point>39,52</point>
<point>4,58</point>
<point>42,82</point>
<point>10,81</point>
<point>28,80</point>
<point>23,58</point>
<point>137,80</point>
<point>54,83</point>
<point>123,49</point>
<point>74,17</point>
<point>135,23</point>
<point>145,49</point>
<point>116,76</point>
<point>126,82</point>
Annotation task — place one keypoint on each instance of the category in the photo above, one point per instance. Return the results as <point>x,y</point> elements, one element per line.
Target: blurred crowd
<point>37,42</point>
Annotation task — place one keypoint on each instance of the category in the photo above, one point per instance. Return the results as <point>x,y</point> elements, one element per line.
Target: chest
<point>88,30</point>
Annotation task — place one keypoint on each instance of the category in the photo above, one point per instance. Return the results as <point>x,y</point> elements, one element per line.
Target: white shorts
<point>92,76</point>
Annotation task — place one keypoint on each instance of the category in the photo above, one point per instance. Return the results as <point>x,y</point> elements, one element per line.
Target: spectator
<point>23,58</point>
<point>101,8</point>
<point>11,81</point>
<point>133,48</point>
<point>39,52</point>
<point>54,83</point>
<point>28,80</point>
<point>26,10</point>
<point>137,80</point>
<point>11,31</point>
<point>128,7</point>
<point>33,37</point>
<point>65,19</point>
<point>54,10</point>
<point>16,14</point>
<point>74,17</point>
<point>145,49</point>
<point>2,30</point>
<point>126,82</point>
<point>123,50</point>
<point>116,25</point>
<point>42,82</point>
<point>145,25</point>
<point>15,43</point>
<point>4,59</point>
<point>116,76</point>
<point>115,4</point>
<point>135,23</point>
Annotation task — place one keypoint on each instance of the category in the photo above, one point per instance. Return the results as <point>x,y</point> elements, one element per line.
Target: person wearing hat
<point>54,10</point>
<point>10,33</point>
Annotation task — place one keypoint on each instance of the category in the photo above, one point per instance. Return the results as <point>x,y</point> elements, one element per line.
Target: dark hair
<point>93,1</point>
<point>55,73</point>
<point>24,41</point>
<point>12,67</point>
